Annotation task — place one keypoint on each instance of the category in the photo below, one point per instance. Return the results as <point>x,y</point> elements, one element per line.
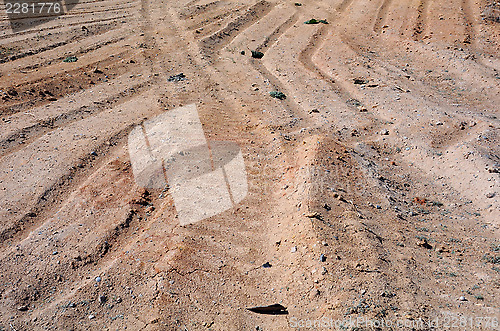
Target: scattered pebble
<point>322,258</point>
<point>315,292</point>
<point>98,279</point>
<point>177,78</point>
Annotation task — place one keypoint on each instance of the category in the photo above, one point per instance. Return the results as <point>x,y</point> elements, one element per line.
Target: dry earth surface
<point>384,157</point>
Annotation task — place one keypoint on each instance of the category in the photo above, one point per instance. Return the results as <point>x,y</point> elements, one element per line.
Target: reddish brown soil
<point>384,157</point>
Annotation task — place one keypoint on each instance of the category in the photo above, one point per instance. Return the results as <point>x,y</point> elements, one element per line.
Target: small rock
<point>323,271</point>
<point>324,243</point>
<point>293,249</point>
<point>22,308</point>
<point>98,279</point>
<point>118,300</point>
<point>439,123</point>
<point>313,215</point>
<point>266,265</point>
<point>384,132</point>
<point>102,299</point>
<point>177,78</point>
<point>242,52</point>
<point>495,169</point>
<point>360,81</point>
<point>315,292</point>
<point>322,258</point>
<point>462,298</point>
<point>91,317</point>
<point>423,243</point>
<point>490,195</point>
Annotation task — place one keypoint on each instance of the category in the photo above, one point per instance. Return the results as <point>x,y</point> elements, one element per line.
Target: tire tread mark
<point>421,21</point>
<point>10,144</point>
<point>268,43</point>
<point>221,38</point>
<point>381,15</point>
<point>62,26</point>
<point>468,22</point>
<point>58,192</point>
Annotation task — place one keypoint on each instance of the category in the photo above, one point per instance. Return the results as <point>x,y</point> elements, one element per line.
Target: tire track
<point>212,21</point>
<point>17,140</point>
<point>468,22</point>
<point>269,41</point>
<point>344,5</point>
<point>27,92</point>
<point>54,183</point>
<point>71,39</point>
<point>381,16</point>
<point>57,193</point>
<point>221,38</point>
<point>63,26</point>
<point>421,20</point>
<point>194,10</point>
<point>305,57</point>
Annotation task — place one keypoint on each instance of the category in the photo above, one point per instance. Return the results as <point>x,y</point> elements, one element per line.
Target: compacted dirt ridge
<point>373,187</point>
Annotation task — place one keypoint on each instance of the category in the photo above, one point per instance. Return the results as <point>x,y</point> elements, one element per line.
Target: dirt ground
<point>373,187</point>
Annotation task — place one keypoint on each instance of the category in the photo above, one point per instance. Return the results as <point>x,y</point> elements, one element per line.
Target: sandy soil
<point>384,157</point>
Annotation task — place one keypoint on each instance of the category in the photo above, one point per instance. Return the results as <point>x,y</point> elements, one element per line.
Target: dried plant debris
<point>257,54</point>
<point>278,95</point>
<point>177,78</point>
<point>315,21</point>
<point>70,59</point>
